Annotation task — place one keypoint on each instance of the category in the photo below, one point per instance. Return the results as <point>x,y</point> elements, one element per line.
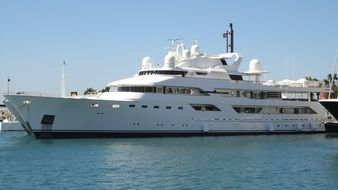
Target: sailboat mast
<point>332,76</point>
<point>63,80</point>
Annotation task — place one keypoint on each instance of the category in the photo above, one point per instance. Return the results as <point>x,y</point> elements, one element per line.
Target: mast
<point>232,39</point>
<point>226,35</point>
<point>8,84</point>
<point>63,80</point>
<point>332,76</point>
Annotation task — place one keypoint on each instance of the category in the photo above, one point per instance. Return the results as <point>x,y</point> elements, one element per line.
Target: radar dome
<point>186,54</point>
<point>147,63</point>
<point>195,50</point>
<point>169,60</point>
<point>254,66</point>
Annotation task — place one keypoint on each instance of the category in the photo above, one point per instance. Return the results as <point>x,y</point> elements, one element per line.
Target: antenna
<point>226,35</point>
<point>63,80</point>
<point>175,41</point>
<point>286,69</point>
<point>293,68</point>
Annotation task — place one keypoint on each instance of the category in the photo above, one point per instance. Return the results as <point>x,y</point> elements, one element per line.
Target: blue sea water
<point>228,162</point>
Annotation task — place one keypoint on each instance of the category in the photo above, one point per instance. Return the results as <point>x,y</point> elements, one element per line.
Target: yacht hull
<point>332,106</point>
<point>55,117</point>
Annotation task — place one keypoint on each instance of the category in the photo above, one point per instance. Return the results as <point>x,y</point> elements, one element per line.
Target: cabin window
<point>274,110</point>
<point>274,95</point>
<point>256,95</point>
<point>137,89</point>
<point>131,105</point>
<point>149,89</point>
<point>159,89</point>
<point>204,107</point>
<point>123,89</point>
<point>247,109</point>
<point>180,108</point>
<point>163,72</point>
<point>156,107</point>
<point>201,73</point>
<point>168,107</point>
<point>164,90</point>
<point>144,106</point>
<point>236,77</point>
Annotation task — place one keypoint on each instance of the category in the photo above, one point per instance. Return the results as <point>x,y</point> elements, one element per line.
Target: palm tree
<point>90,91</point>
<point>309,78</point>
<point>329,79</point>
<point>106,89</point>
<point>333,80</point>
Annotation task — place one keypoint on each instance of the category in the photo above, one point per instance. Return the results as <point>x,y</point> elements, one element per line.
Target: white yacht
<point>193,93</point>
<point>331,105</point>
<point>7,120</point>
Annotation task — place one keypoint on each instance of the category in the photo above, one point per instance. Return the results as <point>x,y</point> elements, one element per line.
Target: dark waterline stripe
<point>86,134</point>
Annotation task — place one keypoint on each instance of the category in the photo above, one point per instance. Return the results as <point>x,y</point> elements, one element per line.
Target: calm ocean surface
<point>230,162</point>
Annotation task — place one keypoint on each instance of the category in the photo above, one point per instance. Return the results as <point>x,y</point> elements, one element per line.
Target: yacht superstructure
<point>193,93</point>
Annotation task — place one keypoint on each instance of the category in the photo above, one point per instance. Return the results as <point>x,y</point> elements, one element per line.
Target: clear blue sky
<point>105,40</point>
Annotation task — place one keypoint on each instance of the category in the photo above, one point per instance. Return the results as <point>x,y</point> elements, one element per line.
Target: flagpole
<point>8,84</point>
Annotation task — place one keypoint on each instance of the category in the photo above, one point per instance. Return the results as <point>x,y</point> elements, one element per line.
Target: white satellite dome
<point>147,63</point>
<point>195,50</point>
<point>254,66</point>
<point>186,54</point>
<point>169,60</point>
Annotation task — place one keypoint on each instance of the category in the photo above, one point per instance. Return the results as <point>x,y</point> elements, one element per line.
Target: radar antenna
<point>176,41</point>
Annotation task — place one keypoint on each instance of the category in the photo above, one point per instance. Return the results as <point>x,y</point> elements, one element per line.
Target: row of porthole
<point>237,119</point>
<point>295,119</point>
<point>155,107</point>
<point>183,125</point>
<point>296,125</point>
<point>186,125</point>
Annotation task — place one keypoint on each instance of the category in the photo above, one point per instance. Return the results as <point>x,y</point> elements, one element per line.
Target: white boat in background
<point>193,93</point>
<point>7,120</point>
<point>6,125</point>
